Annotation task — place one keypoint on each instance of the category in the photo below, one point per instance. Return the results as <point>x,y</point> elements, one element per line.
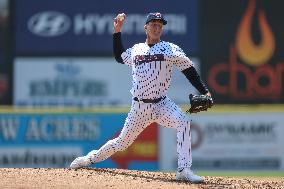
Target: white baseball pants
<point>165,113</point>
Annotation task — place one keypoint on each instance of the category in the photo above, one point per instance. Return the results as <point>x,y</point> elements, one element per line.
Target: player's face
<point>154,29</point>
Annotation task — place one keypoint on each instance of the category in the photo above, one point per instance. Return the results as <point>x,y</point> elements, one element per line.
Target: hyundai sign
<point>85,28</point>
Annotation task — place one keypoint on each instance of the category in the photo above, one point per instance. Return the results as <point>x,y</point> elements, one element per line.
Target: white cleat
<point>83,161</point>
<point>187,175</point>
<point>80,162</point>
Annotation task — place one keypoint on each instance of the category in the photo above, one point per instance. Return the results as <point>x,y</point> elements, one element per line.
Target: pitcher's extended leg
<point>127,136</point>
<point>138,119</point>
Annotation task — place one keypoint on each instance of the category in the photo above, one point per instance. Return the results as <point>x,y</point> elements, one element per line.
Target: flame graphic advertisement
<point>249,52</point>
<point>242,51</point>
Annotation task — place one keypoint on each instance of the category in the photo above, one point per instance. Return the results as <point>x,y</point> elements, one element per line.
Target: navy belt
<point>156,100</point>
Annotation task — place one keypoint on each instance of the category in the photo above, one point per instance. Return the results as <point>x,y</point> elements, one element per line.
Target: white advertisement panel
<point>83,82</point>
<point>230,141</point>
<point>71,82</point>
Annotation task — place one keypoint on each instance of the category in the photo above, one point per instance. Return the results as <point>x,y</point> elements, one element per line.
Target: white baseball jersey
<point>151,72</point>
<point>152,67</point>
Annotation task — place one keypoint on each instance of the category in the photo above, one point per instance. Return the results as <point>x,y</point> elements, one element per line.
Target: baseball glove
<point>199,103</point>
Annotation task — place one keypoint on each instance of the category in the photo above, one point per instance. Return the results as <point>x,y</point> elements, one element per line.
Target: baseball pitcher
<point>152,64</point>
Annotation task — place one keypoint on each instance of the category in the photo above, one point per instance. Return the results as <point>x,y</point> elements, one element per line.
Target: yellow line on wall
<point>217,108</point>
<point>223,108</point>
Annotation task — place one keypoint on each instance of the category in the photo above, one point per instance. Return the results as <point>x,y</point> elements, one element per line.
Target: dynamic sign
<point>231,140</point>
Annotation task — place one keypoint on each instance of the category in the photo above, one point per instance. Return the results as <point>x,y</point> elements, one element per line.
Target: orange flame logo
<point>248,51</point>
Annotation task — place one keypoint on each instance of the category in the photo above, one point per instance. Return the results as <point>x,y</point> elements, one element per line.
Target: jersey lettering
<point>140,59</point>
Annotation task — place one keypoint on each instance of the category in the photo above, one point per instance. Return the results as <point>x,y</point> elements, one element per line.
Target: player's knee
<point>184,122</point>
<point>182,119</point>
<point>185,119</point>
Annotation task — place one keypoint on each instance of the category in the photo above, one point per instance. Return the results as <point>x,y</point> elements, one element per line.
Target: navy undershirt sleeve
<point>193,77</point>
<point>118,48</point>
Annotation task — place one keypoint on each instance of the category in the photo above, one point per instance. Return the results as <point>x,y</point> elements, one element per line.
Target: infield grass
<point>242,174</point>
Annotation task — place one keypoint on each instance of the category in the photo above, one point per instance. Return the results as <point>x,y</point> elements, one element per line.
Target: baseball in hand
<point>121,17</point>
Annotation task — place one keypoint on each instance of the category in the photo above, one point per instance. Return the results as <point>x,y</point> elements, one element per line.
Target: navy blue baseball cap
<point>155,16</point>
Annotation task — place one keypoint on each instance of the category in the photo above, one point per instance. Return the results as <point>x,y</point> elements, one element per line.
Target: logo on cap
<point>157,14</point>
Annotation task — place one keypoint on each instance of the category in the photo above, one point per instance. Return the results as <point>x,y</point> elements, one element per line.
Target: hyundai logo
<point>49,24</point>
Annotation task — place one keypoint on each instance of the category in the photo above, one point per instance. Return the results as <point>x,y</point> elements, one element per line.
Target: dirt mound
<point>117,179</point>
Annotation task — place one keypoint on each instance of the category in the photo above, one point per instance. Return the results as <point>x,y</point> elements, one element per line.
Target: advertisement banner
<point>55,139</point>
<point>231,141</point>
<point>82,82</point>
<point>86,28</point>
<point>243,59</point>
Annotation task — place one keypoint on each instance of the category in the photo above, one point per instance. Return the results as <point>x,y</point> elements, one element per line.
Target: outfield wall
<point>224,138</point>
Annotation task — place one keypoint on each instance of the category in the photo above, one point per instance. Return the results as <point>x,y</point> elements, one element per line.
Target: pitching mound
<point>116,179</point>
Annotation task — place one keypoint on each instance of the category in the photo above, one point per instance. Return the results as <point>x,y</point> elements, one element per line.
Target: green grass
<point>267,174</point>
